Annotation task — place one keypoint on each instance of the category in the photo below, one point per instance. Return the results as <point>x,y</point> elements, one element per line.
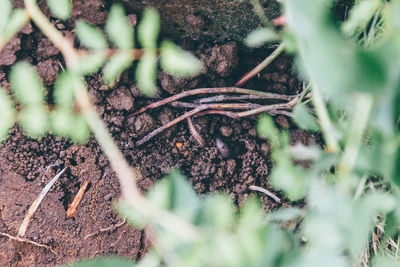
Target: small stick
<point>222,98</point>
<point>262,65</point>
<point>200,111</point>
<point>265,191</point>
<point>179,104</point>
<point>110,228</point>
<point>135,53</point>
<point>35,205</point>
<point>194,132</point>
<point>169,124</point>
<point>25,240</point>
<point>211,91</point>
<point>74,205</point>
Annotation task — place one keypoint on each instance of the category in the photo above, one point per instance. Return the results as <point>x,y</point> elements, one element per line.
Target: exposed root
<point>25,240</point>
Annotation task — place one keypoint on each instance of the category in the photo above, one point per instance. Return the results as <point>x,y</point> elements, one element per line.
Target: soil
<point>27,165</point>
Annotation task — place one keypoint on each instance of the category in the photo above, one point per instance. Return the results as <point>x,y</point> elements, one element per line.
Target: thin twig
<point>201,110</point>
<point>194,132</point>
<point>262,65</point>
<point>110,228</point>
<point>178,104</point>
<point>222,98</point>
<point>212,91</point>
<point>25,240</point>
<point>265,191</point>
<point>36,203</point>
<point>169,124</point>
<point>74,205</point>
<point>135,53</point>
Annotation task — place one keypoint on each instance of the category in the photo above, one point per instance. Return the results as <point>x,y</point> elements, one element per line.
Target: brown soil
<point>27,165</point>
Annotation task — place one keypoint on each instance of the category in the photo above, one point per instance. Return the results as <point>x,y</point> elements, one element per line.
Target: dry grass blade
<point>74,205</point>
<point>266,192</point>
<point>36,203</point>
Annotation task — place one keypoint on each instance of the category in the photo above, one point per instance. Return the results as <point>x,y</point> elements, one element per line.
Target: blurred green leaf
<point>260,37</point>
<point>216,211</point>
<point>286,214</point>
<point>14,24</point>
<point>7,114</point>
<point>384,260</point>
<point>304,119</point>
<point>90,36</point>
<point>91,63</point>
<point>105,262</point>
<point>146,74</point>
<point>116,65</point>
<point>62,122</point>
<point>26,84</point>
<point>176,61</point>
<point>119,29</point>
<point>149,28</point>
<point>266,129</point>
<point>360,14</point>
<point>289,178</point>
<point>64,89</point>
<point>80,133</point>
<point>60,8</point>
<point>34,120</point>
<point>5,12</point>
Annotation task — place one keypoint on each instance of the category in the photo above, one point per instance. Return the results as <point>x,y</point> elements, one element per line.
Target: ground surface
<point>27,165</point>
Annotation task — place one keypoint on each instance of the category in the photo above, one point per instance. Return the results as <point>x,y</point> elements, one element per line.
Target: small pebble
<point>226,130</point>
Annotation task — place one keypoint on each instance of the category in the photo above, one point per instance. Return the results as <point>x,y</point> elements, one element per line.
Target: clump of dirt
<point>27,165</point>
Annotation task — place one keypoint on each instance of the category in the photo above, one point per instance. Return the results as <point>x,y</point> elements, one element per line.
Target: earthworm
<point>222,147</point>
<point>194,132</point>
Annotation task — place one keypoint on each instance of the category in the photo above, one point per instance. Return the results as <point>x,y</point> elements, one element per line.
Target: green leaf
<point>149,28</point>
<point>266,129</point>
<point>119,29</point>
<point>116,65</point>
<point>304,119</point>
<point>60,8</point>
<point>91,63</point>
<point>146,74</point>
<point>360,15</point>
<point>80,133</point>
<point>105,262</point>
<point>90,36</point>
<point>259,37</point>
<point>289,178</point>
<point>64,89</point>
<point>34,120</point>
<point>216,211</point>
<point>26,84</point>
<point>5,12</point>
<point>62,122</point>
<point>176,61</point>
<point>7,114</point>
<point>15,23</point>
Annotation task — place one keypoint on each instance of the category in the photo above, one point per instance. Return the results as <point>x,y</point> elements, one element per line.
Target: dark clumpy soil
<point>27,165</point>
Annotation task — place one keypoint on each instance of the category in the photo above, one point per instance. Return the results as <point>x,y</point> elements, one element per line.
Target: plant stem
<point>328,131</point>
<point>262,65</point>
<point>357,128</point>
<point>127,175</point>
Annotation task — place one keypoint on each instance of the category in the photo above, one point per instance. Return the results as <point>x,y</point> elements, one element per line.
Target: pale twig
<point>110,228</point>
<point>178,104</point>
<point>266,192</point>
<point>36,203</point>
<point>74,205</point>
<point>25,240</point>
<point>218,90</point>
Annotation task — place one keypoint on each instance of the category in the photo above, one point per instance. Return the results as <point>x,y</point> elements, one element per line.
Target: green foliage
<point>90,36</point>
<point>176,61</point>
<point>7,114</point>
<point>60,8</point>
<point>106,262</point>
<point>34,120</point>
<point>146,74</point>
<point>260,37</point>
<point>10,21</point>
<point>116,65</point>
<point>118,28</point>
<point>149,29</point>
